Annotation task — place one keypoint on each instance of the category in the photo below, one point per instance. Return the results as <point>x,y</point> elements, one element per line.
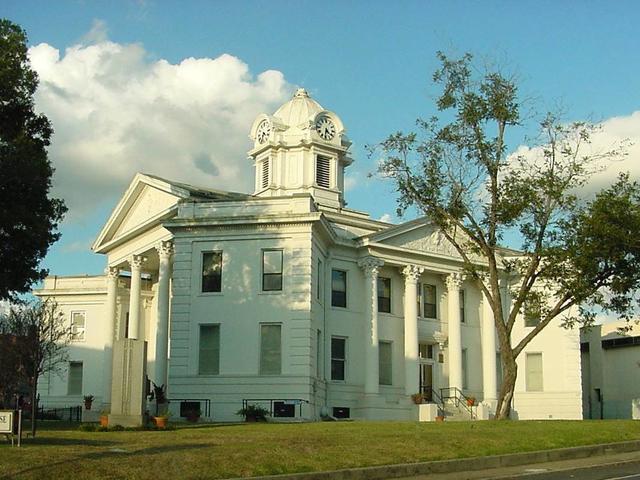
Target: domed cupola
<point>300,148</point>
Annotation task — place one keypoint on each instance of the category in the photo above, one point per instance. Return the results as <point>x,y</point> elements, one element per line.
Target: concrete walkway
<point>479,467</point>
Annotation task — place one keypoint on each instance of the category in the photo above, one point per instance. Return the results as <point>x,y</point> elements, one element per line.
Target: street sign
<point>6,421</point>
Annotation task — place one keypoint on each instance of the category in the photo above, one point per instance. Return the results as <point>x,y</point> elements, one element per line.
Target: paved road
<point>623,466</point>
<point>623,471</point>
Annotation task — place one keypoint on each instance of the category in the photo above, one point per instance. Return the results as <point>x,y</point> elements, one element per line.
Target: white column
<point>489,380</point>
<point>370,265</point>
<point>454,282</point>
<point>134,297</point>
<point>165,249</point>
<point>411,368</point>
<point>110,326</point>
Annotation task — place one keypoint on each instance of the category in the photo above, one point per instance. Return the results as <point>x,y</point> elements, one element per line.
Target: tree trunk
<point>509,375</point>
<point>34,406</point>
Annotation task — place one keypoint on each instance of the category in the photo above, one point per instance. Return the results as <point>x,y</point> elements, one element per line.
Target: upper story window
<point>429,297</point>
<point>319,281</point>
<point>338,288</point>
<point>211,271</point>
<point>425,351</point>
<point>384,295</point>
<point>271,270</point>
<point>323,171</point>
<point>78,325</point>
<point>462,317</point>
<point>531,313</point>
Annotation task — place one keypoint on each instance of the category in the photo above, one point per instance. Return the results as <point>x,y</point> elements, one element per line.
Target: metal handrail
<point>431,394</point>
<point>457,396</point>
<point>252,401</point>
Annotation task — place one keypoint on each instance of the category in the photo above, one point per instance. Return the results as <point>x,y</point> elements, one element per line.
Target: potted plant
<point>417,398</point>
<point>88,400</point>
<point>160,421</point>
<point>253,413</point>
<point>471,401</point>
<point>104,418</point>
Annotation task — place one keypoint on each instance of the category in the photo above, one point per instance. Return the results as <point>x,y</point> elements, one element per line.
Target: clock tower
<point>301,148</point>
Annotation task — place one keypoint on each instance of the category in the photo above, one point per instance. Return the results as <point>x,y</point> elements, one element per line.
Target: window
<point>534,372</point>
<point>265,173</point>
<point>74,383</point>
<point>270,349</point>
<point>323,176</point>
<point>462,319</point>
<point>271,270</point>
<point>78,321</point>
<point>209,350</point>
<point>425,350</point>
<point>319,282</point>
<point>385,368</point>
<point>429,298</point>
<point>531,311</point>
<point>465,369</point>
<point>338,288</point>
<point>338,357</point>
<point>531,319</point>
<point>384,294</point>
<point>211,271</point>
<point>318,352</point>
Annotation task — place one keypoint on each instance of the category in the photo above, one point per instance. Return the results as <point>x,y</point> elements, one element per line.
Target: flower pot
<point>471,402</point>
<point>87,405</point>
<point>104,420</point>
<point>440,418</point>
<point>160,422</point>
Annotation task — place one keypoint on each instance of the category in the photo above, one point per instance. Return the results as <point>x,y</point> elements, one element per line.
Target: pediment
<point>147,202</point>
<point>425,239</point>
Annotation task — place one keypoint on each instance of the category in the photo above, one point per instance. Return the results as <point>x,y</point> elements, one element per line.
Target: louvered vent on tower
<point>265,173</point>
<point>322,171</point>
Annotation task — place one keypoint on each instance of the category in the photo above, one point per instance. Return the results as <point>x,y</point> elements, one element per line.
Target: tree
<point>29,218</point>
<point>577,257</point>
<point>42,338</point>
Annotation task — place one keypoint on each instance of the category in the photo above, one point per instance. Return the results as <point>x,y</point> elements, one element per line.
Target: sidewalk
<point>480,467</point>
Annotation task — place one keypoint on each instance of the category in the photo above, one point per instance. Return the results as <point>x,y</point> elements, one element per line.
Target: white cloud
<point>116,112</point>
<point>611,134</point>
<point>386,217</point>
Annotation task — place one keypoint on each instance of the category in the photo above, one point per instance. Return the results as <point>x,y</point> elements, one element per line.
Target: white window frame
<point>528,374</point>
<point>80,334</point>
<point>199,347</point>
<point>344,360</point>
<point>260,366</point>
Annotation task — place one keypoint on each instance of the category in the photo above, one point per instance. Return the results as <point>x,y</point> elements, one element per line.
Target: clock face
<point>264,129</point>
<point>325,128</point>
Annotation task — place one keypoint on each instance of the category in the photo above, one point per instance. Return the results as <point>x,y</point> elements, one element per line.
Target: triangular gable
<point>147,201</point>
<point>417,235</point>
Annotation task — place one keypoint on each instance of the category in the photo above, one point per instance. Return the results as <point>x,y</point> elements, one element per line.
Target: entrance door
<point>426,381</point>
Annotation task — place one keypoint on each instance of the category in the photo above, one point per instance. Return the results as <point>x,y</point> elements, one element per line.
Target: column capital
<point>112,272</point>
<point>454,281</point>
<point>370,265</point>
<point>164,248</point>
<point>136,261</point>
<point>412,273</point>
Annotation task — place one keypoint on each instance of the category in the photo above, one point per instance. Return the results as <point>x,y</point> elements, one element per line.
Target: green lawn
<point>219,451</point>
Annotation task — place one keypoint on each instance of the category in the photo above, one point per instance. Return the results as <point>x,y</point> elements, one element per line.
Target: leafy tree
<point>577,257</point>
<point>42,338</point>
<point>28,216</point>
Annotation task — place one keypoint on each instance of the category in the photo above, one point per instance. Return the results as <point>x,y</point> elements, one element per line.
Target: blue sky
<point>369,61</point>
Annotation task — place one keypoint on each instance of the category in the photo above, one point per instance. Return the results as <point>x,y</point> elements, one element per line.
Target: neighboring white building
<point>610,370</point>
<point>287,295</point>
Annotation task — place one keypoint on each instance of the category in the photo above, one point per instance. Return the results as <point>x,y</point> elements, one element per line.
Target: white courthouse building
<point>286,295</point>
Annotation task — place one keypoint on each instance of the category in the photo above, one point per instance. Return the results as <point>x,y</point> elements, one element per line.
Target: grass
<point>222,451</point>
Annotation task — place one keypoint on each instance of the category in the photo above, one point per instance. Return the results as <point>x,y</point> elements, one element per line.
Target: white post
<point>110,326</point>
<point>134,297</point>
<point>454,282</point>
<point>490,384</point>
<point>165,249</point>
<point>411,368</point>
<point>370,265</point>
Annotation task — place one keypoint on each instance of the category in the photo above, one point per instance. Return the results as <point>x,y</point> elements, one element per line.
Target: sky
<point>172,88</point>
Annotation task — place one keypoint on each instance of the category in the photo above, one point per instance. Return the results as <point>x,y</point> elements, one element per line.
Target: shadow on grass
<point>57,442</point>
<point>112,453</point>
